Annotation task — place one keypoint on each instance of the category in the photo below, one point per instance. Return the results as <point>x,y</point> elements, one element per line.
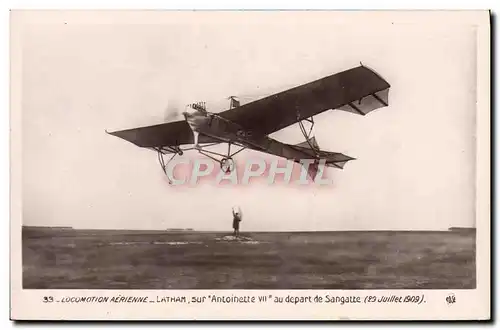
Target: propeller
<point>173,110</point>
<point>245,98</point>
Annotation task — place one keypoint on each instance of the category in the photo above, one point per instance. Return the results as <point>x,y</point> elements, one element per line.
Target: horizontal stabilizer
<point>335,159</point>
<point>337,164</point>
<point>359,90</point>
<point>367,103</point>
<point>162,135</point>
<point>331,159</point>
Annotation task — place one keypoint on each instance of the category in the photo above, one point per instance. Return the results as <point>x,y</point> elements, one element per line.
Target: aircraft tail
<point>331,159</point>
<point>313,169</point>
<point>327,159</point>
<point>310,144</point>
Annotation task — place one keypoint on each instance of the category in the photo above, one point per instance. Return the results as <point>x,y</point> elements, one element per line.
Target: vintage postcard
<point>250,165</point>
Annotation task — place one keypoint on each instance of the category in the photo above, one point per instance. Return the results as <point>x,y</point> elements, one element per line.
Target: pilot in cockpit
<point>237,217</point>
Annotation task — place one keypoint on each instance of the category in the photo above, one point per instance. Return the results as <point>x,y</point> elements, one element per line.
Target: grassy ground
<point>195,260</point>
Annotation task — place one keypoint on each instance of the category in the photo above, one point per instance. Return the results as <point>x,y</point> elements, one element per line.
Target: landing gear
<point>163,165</point>
<point>167,150</point>
<point>227,164</point>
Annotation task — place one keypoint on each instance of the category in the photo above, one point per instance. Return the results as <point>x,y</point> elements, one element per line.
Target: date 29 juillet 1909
<point>415,299</point>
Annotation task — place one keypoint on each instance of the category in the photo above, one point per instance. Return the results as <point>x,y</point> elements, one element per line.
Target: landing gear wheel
<point>227,164</point>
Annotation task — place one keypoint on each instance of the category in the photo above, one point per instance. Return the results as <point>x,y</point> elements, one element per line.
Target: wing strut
<point>161,160</point>
<point>379,99</point>
<point>176,150</point>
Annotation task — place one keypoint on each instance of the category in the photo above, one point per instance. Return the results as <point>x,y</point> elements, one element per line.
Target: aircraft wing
<point>303,151</point>
<point>163,135</point>
<point>358,90</point>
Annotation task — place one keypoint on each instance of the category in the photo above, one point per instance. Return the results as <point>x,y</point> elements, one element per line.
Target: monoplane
<point>358,90</point>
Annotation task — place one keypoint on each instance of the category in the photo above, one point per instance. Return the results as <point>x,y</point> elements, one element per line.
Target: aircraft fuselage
<point>210,124</point>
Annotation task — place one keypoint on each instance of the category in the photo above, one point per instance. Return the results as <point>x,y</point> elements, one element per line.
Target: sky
<point>414,166</point>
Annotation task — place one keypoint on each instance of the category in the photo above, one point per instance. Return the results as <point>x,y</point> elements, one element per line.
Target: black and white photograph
<point>186,151</point>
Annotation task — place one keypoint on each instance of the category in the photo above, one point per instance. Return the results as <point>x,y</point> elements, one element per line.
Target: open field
<point>86,259</point>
